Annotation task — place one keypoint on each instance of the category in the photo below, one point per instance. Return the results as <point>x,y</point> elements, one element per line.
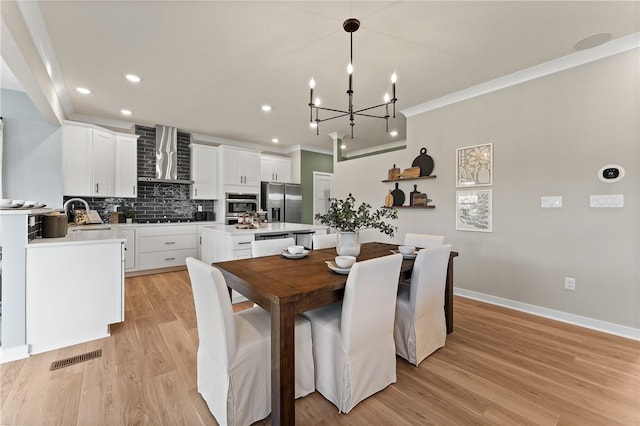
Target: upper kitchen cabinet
<point>204,172</point>
<point>126,173</point>
<point>240,169</point>
<point>88,162</point>
<point>275,169</point>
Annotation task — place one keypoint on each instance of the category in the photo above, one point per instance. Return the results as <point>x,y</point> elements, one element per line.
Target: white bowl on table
<point>407,250</point>
<point>17,203</point>
<point>6,203</point>
<point>345,262</point>
<point>295,249</point>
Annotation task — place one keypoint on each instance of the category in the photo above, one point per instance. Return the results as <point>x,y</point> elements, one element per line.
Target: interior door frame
<point>316,175</point>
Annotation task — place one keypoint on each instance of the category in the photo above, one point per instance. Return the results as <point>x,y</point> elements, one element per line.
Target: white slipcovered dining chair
<point>353,340</point>
<point>234,351</point>
<point>261,248</point>
<point>423,240</point>
<point>323,241</point>
<point>420,326</point>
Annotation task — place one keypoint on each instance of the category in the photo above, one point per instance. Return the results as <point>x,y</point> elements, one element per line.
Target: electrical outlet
<point>569,283</point>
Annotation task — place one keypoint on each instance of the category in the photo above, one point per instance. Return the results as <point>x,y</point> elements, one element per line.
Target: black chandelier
<point>351,25</point>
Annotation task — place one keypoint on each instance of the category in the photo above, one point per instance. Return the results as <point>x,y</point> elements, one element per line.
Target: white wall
<point>32,156</point>
<point>550,136</point>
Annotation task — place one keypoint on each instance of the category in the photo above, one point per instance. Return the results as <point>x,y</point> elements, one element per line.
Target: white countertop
<point>265,228</point>
<point>95,236</point>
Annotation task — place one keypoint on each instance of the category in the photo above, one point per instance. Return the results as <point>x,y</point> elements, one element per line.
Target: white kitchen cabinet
<point>73,293</point>
<point>204,172</point>
<point>165,246</point>
<point>126,166</point>
<point>89,161</point>
<point>275,169</point>
<point>77,160</point>
<point>129,249</point>
<point>103,159</point>
<point>240,169</point>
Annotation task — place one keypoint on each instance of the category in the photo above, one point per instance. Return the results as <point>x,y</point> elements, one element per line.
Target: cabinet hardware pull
<point>246,242</point>
<point>169,258</point>
<point>97,188</point>
<point>170,242</point>
<point>134,190</point>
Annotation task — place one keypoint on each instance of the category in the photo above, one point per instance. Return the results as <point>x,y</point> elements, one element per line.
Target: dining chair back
<point>423,240</point>
<point>420,326</point>
<point>234,351</point>
<point>323,241</point>
<point>353,342</point>
<point>261,248</point>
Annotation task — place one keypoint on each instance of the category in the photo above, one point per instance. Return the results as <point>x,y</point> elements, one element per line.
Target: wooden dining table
<point>287,287</point>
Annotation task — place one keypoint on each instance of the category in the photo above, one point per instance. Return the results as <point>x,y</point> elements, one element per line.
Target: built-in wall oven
<point>238,204</point>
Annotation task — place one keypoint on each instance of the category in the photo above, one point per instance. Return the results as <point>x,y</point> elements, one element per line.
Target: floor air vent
<point>76,359</point>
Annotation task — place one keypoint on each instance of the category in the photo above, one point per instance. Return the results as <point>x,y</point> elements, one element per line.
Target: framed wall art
<point>474,210</point>
<point>474,165</point>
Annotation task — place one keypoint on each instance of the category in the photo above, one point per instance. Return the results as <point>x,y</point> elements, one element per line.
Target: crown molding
<point>620,45</point>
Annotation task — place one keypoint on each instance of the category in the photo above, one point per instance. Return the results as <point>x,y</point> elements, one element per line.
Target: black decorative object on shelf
<point>398,196</point>
<point>424,161</point>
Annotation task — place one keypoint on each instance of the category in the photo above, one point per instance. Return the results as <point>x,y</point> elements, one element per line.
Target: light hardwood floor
<point>498,367</point>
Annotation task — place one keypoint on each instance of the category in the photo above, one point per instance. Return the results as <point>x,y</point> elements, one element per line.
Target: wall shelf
<point>408,179</point>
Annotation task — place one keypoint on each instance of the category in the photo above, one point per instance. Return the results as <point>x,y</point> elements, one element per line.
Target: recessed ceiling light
<point>125,112</point>
<point>313,124</point>
<point>343,146</point>
<point>133,78</point>
<point>275,140</point>
<point>266,108</point>
<point>83,90</point>
<point>592,41</point>
<point>394,133</point>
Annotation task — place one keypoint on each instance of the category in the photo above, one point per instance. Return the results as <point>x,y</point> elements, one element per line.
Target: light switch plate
<point>551,201</point>
<point>606,201</point>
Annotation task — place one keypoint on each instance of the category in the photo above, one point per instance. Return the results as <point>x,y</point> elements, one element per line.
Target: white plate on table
<point>407,256</point>
<point>288,255</point>
<point>332,265</point>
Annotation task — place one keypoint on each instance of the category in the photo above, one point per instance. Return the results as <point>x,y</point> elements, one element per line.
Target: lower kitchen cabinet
<point>129,249</point>
<point>73,293</point>
<point>165,246</point>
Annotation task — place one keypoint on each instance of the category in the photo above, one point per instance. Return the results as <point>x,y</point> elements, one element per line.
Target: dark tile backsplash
<point>155,200</point>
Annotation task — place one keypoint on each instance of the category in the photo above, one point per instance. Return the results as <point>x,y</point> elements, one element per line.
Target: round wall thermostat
<point>611,173</point>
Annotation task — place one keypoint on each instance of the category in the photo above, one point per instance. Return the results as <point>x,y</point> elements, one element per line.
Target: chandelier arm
<point>372,116</point>
<point>332,109</point>
<point>330,118</point>
<point>371,107</point>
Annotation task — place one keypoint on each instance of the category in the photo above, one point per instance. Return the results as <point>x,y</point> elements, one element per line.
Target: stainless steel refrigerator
<point>281,201</point>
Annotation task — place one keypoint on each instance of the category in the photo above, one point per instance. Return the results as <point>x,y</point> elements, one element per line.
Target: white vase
<point>348,244</point>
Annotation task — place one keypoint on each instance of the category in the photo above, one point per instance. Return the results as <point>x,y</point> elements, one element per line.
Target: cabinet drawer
<point>164,259</point>
<point>241,242</point>
<point>167,242</point>
<point>241,254</point>
<point>146,230</point>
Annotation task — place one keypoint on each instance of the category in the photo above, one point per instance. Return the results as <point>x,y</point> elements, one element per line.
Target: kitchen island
<point>226,242</point>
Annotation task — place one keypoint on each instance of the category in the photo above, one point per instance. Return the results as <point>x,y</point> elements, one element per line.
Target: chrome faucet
<point>66,205</point>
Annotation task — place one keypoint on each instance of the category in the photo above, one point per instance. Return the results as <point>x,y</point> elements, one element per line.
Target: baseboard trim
<point>593,324</point>
<point>13,354</point>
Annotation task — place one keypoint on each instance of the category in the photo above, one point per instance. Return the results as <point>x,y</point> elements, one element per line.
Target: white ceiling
<point>208,66</point>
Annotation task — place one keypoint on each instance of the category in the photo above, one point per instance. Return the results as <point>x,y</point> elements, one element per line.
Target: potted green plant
<point>348,219</point>
<point>129,215</point>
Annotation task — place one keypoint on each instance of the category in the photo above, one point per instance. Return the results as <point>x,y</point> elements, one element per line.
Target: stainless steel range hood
<point>166,157</point>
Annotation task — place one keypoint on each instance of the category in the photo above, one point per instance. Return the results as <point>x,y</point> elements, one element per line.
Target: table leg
<point>448,297</point>
<point>282,365</point>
